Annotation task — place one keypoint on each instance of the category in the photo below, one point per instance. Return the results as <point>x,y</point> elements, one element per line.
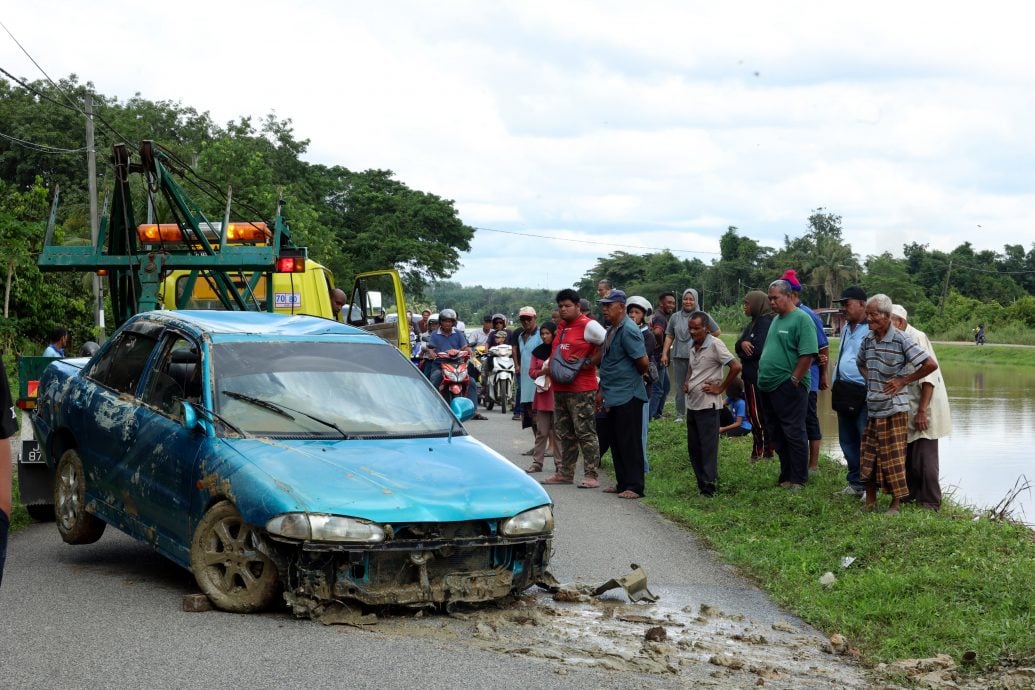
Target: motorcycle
<point>455,378</point>
<point>500,380</point>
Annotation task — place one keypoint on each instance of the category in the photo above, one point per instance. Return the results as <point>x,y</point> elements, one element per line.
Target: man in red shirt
<point>574,401</point>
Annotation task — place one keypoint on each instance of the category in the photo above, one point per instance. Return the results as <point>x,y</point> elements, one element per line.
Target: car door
<point>378,305</point>
<point>158,468</point>
<point>106,420</point>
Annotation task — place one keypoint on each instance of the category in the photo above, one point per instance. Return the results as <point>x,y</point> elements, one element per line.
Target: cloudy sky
<point>568,130</point>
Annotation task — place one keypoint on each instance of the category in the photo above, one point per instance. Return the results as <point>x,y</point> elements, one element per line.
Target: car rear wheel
<point>228,559</point>
<point>73,522</point>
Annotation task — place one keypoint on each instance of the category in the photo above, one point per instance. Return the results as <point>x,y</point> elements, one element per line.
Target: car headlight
<point>536,521</point>
<point>306,526</point>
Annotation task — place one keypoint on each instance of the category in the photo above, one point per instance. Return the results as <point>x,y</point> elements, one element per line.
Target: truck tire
<point>228,559</point>
<point>75,525</point>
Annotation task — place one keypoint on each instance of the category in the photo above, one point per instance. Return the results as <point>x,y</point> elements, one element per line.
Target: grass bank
<point>922,583</point>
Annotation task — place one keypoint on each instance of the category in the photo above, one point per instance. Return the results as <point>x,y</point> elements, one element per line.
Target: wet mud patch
<point>693,644</point>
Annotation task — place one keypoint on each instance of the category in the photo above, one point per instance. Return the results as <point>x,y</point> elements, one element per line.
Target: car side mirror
<point>463,408</point>
<point>189,417</point>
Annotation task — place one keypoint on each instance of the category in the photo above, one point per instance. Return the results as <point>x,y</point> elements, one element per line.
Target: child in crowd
<point>542,402</point>
<point>733,417</point>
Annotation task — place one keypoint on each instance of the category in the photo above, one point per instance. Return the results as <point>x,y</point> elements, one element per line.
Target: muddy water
<point>993,435</point>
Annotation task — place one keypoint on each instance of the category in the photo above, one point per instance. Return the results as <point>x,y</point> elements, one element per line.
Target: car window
<point>177,376</point>
<point>366,390</point>
<point>122,364</point>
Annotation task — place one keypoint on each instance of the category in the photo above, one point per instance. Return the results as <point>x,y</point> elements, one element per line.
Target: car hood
<point>394,480</point>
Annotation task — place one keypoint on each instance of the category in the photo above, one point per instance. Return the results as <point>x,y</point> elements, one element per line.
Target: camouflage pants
<point>576,429</point>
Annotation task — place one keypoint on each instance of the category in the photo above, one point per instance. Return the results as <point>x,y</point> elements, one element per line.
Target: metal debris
<point>634,584</point>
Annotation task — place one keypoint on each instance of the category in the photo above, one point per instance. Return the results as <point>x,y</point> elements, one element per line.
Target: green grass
<point>923,583</point>
<point>19,516</point>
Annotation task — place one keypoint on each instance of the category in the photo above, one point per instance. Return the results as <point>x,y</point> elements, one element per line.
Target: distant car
<point>270,453</point>
<point>833,320</point>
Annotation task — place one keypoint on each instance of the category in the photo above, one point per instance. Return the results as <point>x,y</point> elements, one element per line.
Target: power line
<point>41,148</point>
<point>603,244</point>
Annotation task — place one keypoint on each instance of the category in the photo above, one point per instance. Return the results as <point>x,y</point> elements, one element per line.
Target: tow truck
<point>191,262</point>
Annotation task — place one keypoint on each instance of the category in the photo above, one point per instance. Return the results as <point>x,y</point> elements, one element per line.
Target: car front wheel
<point>73,522</point>
<point>228,559</point>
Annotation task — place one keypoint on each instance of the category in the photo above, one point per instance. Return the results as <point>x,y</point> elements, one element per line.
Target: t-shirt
<point>738,408</point>
<point>659,320</point>
<point>678,328</point>
<point>706,365</point>
<point>570,343</point>
<point>620,380</point>
<point>441,342</point>
<point>884,359</point>
<point>790,336</point>
<point>821,342</point>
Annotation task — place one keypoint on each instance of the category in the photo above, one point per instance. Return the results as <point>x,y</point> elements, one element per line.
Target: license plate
<point>31,453</point>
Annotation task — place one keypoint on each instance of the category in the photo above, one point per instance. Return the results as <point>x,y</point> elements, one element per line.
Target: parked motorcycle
<point>455,377</point>
<point>499,383</point>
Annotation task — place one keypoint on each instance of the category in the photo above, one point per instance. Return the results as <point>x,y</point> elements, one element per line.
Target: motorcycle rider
<point>448,337</point>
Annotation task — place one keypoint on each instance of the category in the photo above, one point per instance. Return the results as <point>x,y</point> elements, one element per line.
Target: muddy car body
<point>271,453</point>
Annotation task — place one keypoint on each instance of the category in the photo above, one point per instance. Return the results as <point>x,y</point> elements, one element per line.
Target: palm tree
<point>832,265</point>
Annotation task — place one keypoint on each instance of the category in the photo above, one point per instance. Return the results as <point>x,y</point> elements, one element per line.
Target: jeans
<point>850,430</point>
<point>659,392</point>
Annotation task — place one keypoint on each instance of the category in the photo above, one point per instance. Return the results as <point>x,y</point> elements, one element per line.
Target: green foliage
<point>922,582</point>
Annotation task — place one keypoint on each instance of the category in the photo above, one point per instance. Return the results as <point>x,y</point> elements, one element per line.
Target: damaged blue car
<point>286,456</point>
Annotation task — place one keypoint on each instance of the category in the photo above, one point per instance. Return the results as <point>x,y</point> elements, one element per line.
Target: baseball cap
<point>526,311</point>
<point>613,296</point>
<point>852,292</point>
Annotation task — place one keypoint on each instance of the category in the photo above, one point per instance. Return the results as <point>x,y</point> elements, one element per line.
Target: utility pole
<point>945,288</point>
<point>91,173</point>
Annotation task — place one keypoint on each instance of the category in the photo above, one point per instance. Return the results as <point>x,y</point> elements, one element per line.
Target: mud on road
<point>696,645</point>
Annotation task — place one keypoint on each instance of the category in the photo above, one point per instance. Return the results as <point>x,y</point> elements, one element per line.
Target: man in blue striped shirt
<point>886,360</point>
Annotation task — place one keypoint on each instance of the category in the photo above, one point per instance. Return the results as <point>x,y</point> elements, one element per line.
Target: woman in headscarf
<point>677,333</point>
<point>749,349</point>
<point>542,401</point>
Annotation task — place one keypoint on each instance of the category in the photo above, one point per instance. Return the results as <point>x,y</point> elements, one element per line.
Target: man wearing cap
<point>623,362</point>
<point>525,341</point>
<point>889,361</point>
<point>784,380</point>
<point>929,420</point>
<point>848,389</point>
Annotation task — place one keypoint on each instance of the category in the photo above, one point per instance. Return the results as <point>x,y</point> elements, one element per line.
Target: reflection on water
<point>993,435</point>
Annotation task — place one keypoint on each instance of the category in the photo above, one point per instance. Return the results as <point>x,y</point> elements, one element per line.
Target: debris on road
<point>634,584</point>
<point>196,603</point>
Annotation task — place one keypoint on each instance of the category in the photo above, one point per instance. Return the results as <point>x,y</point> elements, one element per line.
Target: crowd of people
<point>589,384</point>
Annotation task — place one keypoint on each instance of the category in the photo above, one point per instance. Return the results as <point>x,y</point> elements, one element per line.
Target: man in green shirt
<point>783,379</point>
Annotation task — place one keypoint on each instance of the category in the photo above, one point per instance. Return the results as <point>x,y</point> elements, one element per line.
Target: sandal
<point>558,479</point>
<point>589,483</point>
<point>629,494</point>
<point>611,490</point>
<point>534,467</point>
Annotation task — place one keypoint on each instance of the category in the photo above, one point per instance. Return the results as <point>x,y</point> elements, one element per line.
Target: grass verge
<point>19,516</point>
<point>922,583</point>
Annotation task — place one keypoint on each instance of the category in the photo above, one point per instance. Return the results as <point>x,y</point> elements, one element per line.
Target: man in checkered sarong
<point>886,361</point>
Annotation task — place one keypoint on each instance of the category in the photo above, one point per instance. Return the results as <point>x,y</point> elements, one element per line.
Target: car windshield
<point>325,389</point>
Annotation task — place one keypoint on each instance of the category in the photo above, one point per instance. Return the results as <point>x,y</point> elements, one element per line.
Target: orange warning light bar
<point>151,233</point>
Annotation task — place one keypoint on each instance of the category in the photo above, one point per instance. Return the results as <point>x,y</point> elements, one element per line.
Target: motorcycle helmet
<point>637,301</point>
<point>501,334</point>
<point>447,314</point>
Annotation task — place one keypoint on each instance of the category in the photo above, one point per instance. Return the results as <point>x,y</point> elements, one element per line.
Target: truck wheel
<point>41,512</point>
<point>73,522</point>
<point>228,559</point>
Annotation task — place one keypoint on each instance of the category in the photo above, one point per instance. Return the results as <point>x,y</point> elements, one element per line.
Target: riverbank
<point>920,584</point>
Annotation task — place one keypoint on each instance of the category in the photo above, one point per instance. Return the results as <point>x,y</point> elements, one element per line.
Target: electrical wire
<point>41,148</point>
<point>603,244</point>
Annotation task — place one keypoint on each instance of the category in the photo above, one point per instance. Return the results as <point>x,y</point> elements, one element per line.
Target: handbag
<point>846,396</point>
<point>562,370</point>
<point>652,373</point>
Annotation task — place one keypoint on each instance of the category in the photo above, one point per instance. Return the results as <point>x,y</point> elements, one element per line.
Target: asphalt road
<point>108,615</point>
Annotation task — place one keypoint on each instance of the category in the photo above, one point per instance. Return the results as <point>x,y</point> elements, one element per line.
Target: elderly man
<point>848,391</point>
<point>623,362</point>
<point>784,382</point>
<point>929,420</point>
<point>703,389</point>
<point>658,324</point>
<point>889,361</point>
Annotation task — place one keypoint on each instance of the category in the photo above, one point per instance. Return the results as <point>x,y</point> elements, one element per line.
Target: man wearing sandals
<point>623,362</point>
<point>886,361</point>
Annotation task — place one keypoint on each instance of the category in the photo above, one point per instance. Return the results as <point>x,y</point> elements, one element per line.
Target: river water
<point>993,435</point>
